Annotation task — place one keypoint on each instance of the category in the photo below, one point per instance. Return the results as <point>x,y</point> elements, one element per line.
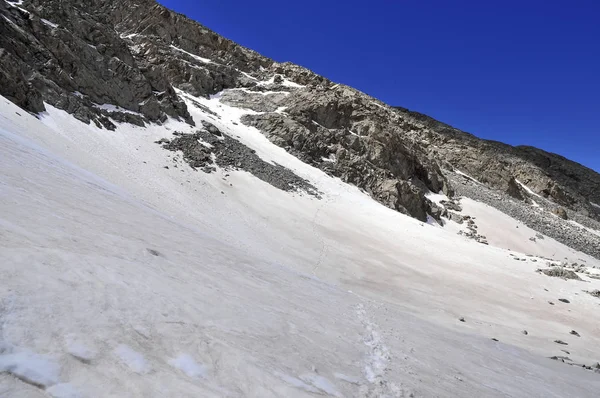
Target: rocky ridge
<point>109,62</point>
<point>500,165</point>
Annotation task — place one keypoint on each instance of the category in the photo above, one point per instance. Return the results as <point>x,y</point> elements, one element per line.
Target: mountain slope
<point>563,181</point>
<point>143,281</point>
<point>146,51</point>
<point>184,217</point>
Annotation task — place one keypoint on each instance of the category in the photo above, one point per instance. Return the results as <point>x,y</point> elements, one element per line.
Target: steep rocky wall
<point>552,176</point>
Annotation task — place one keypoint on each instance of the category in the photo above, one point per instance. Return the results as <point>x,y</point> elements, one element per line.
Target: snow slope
<point>126,279</point>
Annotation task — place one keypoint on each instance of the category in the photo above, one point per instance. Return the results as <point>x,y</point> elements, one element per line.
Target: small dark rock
<point>595,293</point>
<point>564,300</point>
<point>461,319</point>
<point>574,333</point>
<point>524,332</point>
<point>560,342</point>
<point>211,128</point>
<point>560,212</point>
<point>153,252</point>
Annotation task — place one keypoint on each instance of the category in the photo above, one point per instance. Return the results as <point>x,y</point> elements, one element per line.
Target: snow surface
<point>133,359</point>
<point>196,57</point>
<point>505,232</point>
<point>49,23</point>
<point>63,390</point>
<point>114,108</point>
<point>466,175</point>
<point>30,367</point>
<point>526,188</point>
<point>188,365</point>
<point>79,349</point>
<point>273,294</point>
<point>285,82</point>
<point>595,205</point>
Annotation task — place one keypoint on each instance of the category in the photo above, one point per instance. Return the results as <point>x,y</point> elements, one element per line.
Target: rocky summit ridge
<point>108,62</point>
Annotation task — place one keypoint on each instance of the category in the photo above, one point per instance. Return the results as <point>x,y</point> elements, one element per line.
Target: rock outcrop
<point>498,165</point>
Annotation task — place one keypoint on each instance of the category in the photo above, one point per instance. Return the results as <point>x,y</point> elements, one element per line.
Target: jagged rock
<point>211,128</point>
<point>560,212</point>
<point>560,272</point>
<point>560,342</point>
<point>565,182</point>
<point>451,205</point>
<point>594,293</point>
<point>374,159</point>
<point>455,217</point>
<point>200,148</point>
<point>515,190</point>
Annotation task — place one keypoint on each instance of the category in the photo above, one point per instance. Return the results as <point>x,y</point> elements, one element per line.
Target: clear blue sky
<point>521,72</point>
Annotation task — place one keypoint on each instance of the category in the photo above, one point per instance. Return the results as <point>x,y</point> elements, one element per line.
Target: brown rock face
<point>552,176</point>
<point>562,213</point>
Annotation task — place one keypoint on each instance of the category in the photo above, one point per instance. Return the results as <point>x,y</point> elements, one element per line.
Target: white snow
<point>16,4</point>
<point>196,57</point>
<point>466,175</point>
<point>526,188</point>
<point>260,285</point>
<point>114,108</point>
<point>188,365</point>
<point>378,355</point>
<point>289,83</point>
<point>247,75</point>
<point>129,36</point>
<point>320,383</point>
<point>595,204</point>
<point>63,390</point>
<point>348,379</point>
<point>30,367</point>
<point>285,93</point>
<point>17,27</point>
<point>49,23</point>
<point>378,105</point>
<point>295,382</point>
<point>505,232</point>
<point>285,82</point>
<point>436,197</point>
<point>79,349</point>
<point>133,359</point>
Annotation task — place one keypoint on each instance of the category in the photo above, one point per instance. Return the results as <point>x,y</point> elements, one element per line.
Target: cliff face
<point>549,175</point>
<point>129,61</point>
